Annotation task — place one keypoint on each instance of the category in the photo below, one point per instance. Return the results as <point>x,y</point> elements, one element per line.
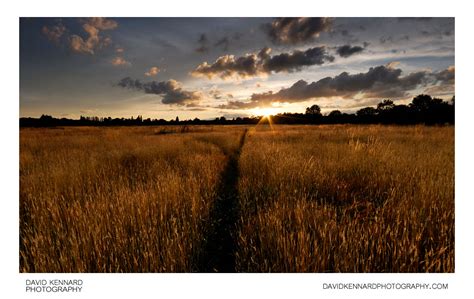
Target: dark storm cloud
<point>296,30</point>
<point>378,82</point>
<point>348,50</point>
<point>256,64</point>
<point>170,90</point>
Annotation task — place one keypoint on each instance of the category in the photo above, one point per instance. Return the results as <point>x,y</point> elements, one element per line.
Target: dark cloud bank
<point>377,82</point>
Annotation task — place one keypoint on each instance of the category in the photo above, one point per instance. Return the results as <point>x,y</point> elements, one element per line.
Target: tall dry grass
<point>118,199</point>
<point>311,198</point>
<point>347,199</point>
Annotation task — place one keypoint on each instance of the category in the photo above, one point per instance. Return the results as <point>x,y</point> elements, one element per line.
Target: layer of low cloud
<point>171,91</point>
<point>296,30</point>
<point>378,82</point>
<point>262,63</point>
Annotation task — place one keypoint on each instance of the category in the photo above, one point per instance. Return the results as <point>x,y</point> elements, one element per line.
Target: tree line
<point>423,109</point>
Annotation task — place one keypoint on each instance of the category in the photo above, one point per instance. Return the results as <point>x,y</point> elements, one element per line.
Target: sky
<point>212,67</point>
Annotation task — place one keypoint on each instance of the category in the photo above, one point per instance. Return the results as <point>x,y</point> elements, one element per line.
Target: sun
<point>265,112</point>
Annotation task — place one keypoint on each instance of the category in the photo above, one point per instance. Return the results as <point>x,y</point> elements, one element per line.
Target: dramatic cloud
<point>348,50</point>
<point>296,30</point>
<point>92,26</point>
<point>120,61</point>
<point>228,66</point>
<point>289,62</point>
<point>153,71</point>
<point>171,91</point>
<point>262,63</point>
<point>54,33</point>
<point>378,82</point>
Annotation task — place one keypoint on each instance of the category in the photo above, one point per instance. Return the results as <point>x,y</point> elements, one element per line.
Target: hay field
<point>338,198</point>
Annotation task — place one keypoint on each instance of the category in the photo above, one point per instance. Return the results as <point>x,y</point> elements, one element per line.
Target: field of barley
<point>339,198</point>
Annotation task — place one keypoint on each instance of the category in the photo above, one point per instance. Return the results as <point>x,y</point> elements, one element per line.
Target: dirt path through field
<point>220,245</point>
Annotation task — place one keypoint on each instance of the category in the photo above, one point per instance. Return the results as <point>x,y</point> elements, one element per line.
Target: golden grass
<point>117,199</point>
<point>347,199</point>
<point>311,198</point>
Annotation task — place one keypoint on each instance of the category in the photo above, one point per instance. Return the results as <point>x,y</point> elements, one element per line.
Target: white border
<point>234,285</point>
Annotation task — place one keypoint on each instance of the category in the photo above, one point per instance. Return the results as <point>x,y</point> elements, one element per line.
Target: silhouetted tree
<point>313,114</point>
<point>367,111</point>
<point>402,114</point>
<point>385,111</point>
<point>314,110</point>
<point>367,114</point>
<point>385,105</point>
<point>334,117</point>
<point>421,103</point>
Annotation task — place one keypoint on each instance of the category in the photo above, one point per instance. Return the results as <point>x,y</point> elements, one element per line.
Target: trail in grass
<point>220,245</point>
